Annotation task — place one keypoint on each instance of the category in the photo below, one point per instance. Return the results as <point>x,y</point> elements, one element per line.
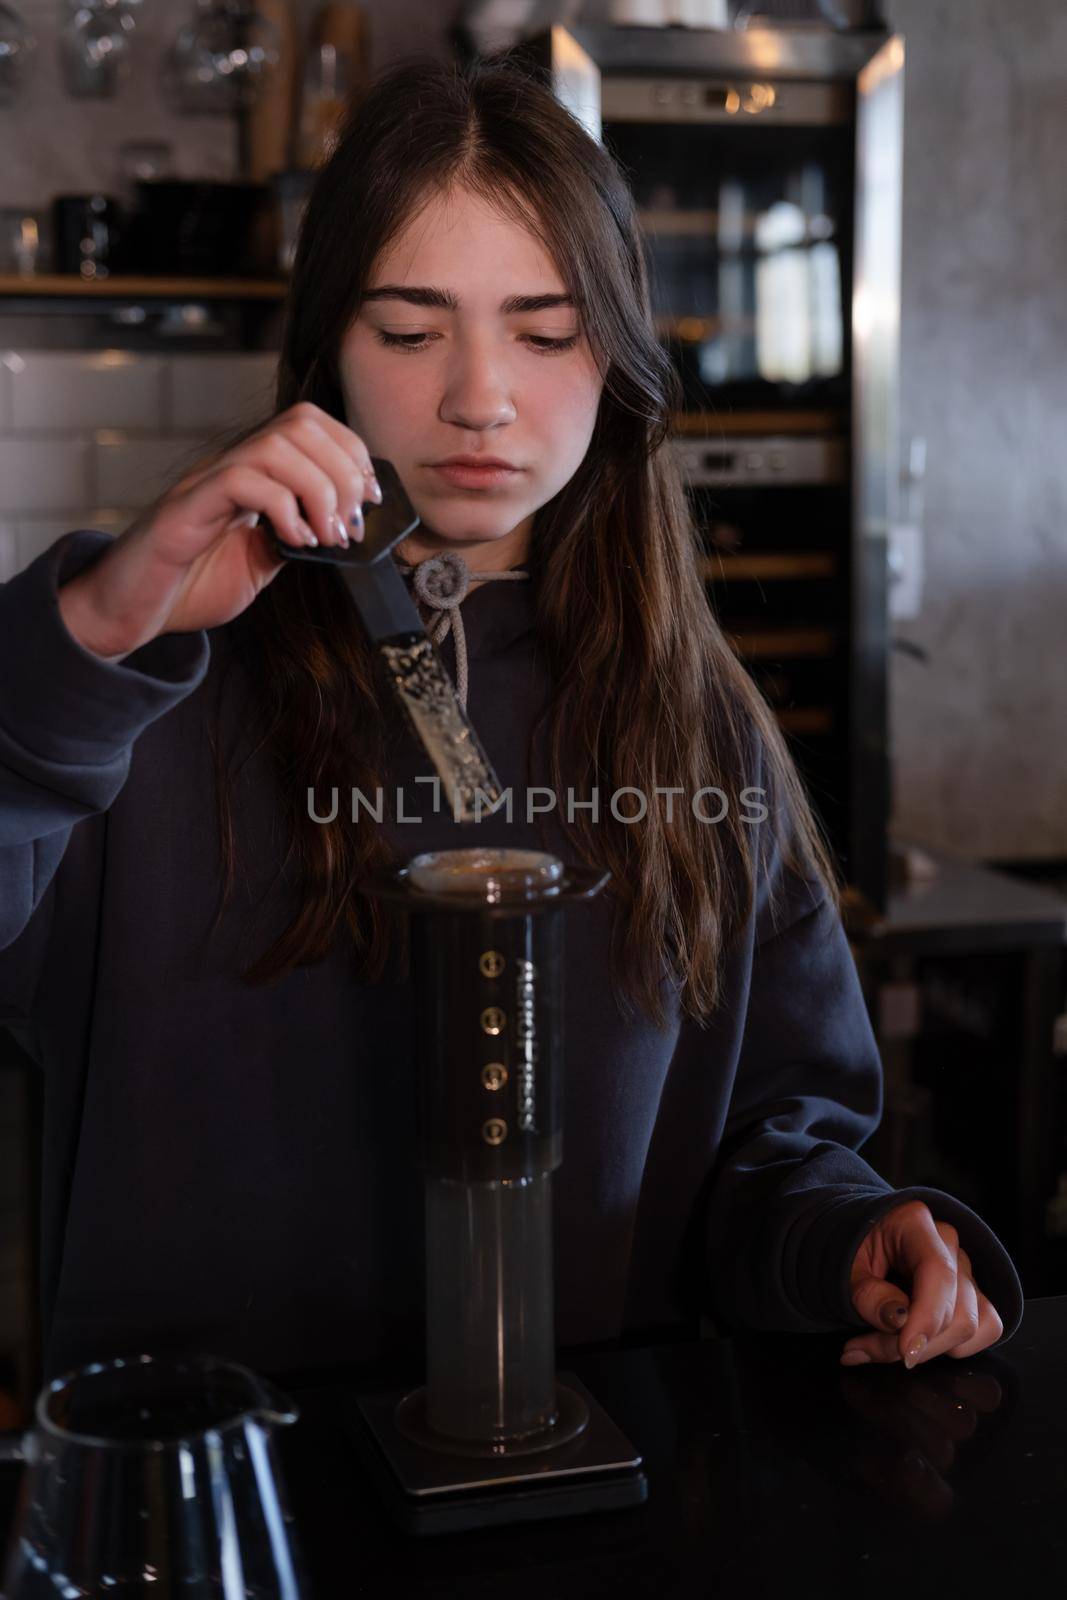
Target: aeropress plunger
<point>494,1436</point>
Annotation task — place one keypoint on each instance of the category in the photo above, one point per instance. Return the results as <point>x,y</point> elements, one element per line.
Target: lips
<point>476,472</point>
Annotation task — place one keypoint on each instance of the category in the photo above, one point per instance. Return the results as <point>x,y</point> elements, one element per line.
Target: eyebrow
<point>445,300</point>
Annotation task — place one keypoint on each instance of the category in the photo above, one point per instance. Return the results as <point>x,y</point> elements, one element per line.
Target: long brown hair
<point>645,689</point>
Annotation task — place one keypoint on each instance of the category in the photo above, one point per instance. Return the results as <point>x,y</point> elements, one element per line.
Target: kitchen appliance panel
<point>766,169</point>
<point>748,245</point>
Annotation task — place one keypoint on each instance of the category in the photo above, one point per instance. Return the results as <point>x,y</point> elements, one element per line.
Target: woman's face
<point>466,345</point>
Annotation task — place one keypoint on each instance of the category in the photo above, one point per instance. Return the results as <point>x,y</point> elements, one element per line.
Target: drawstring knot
<point>442,583</point>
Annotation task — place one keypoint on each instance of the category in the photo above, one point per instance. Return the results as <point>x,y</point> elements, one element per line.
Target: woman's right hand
<point>196,557</point>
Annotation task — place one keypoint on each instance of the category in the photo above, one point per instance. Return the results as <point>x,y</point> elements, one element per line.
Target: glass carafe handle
<point>275,1408</point>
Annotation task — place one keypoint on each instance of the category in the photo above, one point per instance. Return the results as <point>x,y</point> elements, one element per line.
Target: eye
<point>403,341</point>
<point>543,344</point>
<point>549,346</point>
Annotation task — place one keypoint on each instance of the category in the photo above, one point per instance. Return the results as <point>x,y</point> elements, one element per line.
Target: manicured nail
<point>339,529</point>
<point>356,519</point>
<point>915,1350</point>
<point>895,1316</point>
<point>855,1358</point>
<point>308,536</point>
<point>374,490</point>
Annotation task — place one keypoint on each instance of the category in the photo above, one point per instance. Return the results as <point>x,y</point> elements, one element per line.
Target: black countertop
<point>964,906</point>
<point>772,1471</point>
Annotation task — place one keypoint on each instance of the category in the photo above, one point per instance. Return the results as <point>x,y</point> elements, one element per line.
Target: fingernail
<point>374,490</point>
<point>308,536</point>
<point>915,1350</point>
<point>339,529</point>
<point>855,1358</point>
<point>895,1316</point>
<point>356,519</point>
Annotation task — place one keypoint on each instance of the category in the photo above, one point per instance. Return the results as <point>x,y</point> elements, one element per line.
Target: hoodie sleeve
<point>68,723</point>
<point>791,1199</point>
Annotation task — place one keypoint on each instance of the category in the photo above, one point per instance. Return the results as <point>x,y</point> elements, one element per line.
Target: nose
<point>476,394</point>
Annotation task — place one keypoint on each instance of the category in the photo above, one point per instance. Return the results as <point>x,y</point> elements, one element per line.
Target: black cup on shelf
<point>199,228</point>
<point>86,230</point>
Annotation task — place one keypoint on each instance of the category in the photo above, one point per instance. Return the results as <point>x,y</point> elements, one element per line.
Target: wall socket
<point>904,555</point>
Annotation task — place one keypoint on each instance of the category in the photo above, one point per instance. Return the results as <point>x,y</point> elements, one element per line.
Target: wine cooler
<point>766,167</point>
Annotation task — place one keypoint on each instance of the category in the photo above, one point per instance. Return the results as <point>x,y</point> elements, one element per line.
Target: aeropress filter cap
<point>499,881</point>
<point>495,876</point>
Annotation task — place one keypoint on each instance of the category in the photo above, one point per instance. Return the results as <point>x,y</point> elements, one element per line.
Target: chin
<point>459,521</point>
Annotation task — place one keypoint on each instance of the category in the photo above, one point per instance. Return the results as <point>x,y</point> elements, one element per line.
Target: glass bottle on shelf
<point>94,46</point>
<point>17,45</point>
<point>334,70</point>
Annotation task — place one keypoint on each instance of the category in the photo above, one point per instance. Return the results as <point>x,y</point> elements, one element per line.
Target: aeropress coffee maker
<point>494,1436</point>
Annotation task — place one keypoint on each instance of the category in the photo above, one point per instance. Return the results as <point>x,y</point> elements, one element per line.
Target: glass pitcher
<point>154,1476</point>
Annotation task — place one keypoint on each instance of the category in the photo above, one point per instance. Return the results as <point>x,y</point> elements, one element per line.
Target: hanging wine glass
<point>222,59</point>
<point>17,45</point>
<point>94,46</point>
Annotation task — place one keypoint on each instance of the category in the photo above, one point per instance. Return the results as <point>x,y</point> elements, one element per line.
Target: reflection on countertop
<point>772,1471</point>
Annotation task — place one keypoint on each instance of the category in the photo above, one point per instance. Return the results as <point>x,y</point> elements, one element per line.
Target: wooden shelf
<point>687,224</point>
<point>724,568</point>
<point>758,644</point>
<point>66,284</point>
<point>695,223</point>
<point>695,329</point>
<point>806,719</point>
<point>712,425</point>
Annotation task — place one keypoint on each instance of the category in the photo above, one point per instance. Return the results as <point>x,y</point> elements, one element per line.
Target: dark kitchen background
<point>858,244</point>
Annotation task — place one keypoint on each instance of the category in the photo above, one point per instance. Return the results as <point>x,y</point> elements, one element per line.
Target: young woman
<point>222,1018</point>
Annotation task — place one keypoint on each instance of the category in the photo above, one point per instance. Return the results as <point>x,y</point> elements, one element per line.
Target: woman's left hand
<point>942,1310</point>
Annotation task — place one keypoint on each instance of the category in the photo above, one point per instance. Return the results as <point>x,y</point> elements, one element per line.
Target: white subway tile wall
<point>7,359</point>
<point>88,438</point>
<point>132,471</point>
<point>57,391</point>
<point>35,534</point>
<point>8,548</point>
<point>43,474</point>
<point>219,392</point>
